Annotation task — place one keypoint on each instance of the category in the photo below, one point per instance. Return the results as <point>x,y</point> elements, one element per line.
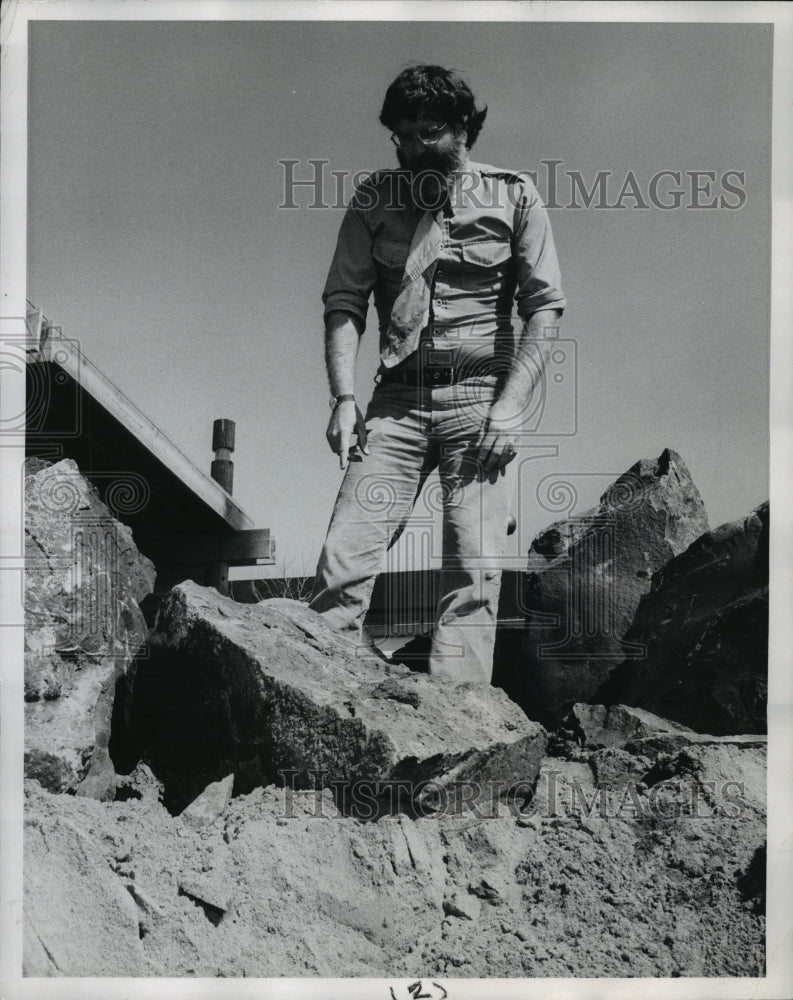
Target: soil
<point>657,877</point>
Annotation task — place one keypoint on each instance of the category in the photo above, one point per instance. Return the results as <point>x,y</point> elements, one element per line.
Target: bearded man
<point>445,244</point>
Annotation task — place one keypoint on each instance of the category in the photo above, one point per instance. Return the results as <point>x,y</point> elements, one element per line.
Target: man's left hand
<point>496,445</point>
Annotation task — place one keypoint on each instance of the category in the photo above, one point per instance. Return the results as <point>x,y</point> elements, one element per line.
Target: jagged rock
<point>273,694</point>
<point>210,803</point>
<point>84,579</point>
<point>616,725</point>
<point>705,628</point>
<point>585,578</point>
<point>139,784</point>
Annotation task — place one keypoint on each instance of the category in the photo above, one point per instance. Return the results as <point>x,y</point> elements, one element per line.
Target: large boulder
<point>705,628</point>
<point>585,578</point>
<point>271,693</point>
<point>84,579</point>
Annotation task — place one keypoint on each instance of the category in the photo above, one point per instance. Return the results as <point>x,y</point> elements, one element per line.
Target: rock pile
<point>282,806</point>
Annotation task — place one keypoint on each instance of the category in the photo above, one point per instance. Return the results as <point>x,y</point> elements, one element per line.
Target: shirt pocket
<point>486,253</point>
<point>390,256</point>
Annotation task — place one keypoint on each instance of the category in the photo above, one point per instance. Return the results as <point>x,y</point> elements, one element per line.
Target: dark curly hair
<point>433,92</point>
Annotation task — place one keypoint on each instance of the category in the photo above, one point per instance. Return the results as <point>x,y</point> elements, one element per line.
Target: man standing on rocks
<point>445,244</point>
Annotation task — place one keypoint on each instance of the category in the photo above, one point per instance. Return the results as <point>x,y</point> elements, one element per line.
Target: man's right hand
<point>346,431</point>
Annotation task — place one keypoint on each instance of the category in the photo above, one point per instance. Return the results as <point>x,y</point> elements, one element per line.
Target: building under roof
<point>185,521</point>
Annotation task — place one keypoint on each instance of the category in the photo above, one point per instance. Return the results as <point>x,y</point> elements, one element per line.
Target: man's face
<point>443,156</point>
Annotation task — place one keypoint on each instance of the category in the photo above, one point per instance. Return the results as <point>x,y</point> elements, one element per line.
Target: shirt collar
<point>465,192</point>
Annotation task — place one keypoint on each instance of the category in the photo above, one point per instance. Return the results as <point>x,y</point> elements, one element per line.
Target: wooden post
<point>217,576</point>
<point>222,471</point>
<point>223,445</point>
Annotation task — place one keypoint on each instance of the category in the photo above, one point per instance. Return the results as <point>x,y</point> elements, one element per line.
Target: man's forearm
<point>531,354</point>
<point>342,335</point>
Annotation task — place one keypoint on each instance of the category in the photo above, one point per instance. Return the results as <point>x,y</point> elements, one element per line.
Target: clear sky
<point>157,240</point>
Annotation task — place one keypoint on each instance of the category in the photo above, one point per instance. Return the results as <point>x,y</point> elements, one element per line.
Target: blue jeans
<point>411,432</point>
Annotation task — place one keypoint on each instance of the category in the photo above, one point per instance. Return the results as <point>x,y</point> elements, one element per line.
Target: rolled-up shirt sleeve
<point>539,282</point>
<point>352,272</point>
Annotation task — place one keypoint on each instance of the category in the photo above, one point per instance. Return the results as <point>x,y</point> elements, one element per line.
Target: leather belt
<point>428,376</point>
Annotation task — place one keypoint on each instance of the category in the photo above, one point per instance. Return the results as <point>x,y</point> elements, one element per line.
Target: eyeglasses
<point>426,136</point>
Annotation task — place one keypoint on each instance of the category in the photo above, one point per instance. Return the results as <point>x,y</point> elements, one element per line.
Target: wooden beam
<point>245,548</point>
<point>207,575</point>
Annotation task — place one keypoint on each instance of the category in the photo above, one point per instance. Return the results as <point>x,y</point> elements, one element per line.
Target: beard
<point>429,176</point>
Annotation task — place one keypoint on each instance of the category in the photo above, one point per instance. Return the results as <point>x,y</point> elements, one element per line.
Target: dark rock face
<point>272,694</point>
<point>585,578</point>
<point>705,627</point>
<point>83,582</point>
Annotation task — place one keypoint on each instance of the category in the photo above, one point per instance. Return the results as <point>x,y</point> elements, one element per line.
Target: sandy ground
<point>281,885</point>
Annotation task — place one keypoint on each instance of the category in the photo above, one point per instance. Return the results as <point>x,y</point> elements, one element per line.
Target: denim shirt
<point>497,246</point>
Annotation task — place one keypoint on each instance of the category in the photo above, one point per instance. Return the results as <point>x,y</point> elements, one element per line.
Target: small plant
<point>295,588</point>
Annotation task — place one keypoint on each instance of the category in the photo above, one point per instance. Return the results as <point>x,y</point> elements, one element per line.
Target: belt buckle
<point>441,375</point>
<point>438,367</point>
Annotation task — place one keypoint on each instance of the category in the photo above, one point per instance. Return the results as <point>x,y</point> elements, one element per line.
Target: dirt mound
<point>657,873</point>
